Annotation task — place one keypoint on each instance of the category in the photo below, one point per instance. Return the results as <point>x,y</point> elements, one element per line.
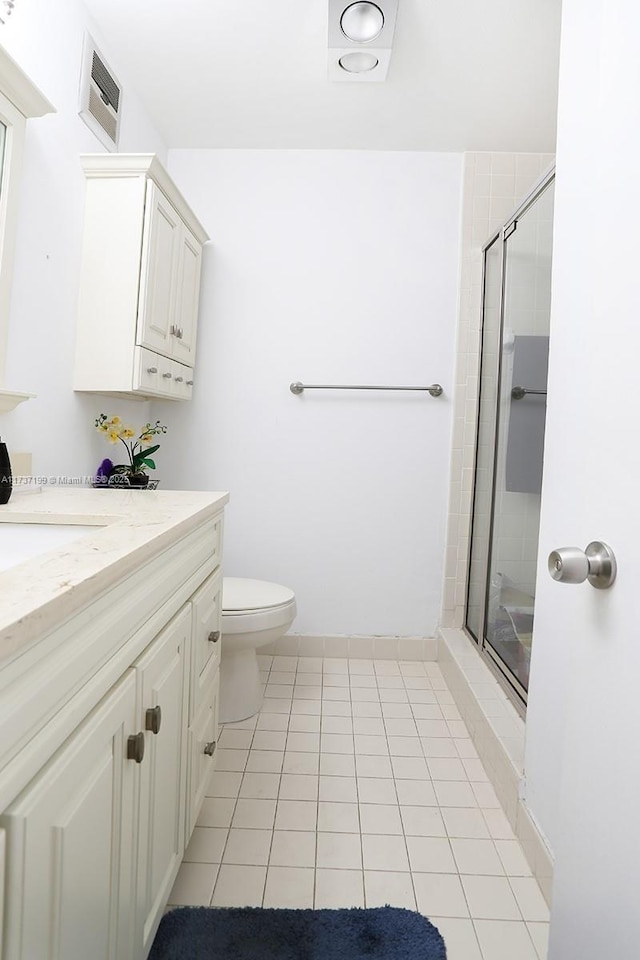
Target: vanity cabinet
<point>139,281</point>
<point>107,772</point>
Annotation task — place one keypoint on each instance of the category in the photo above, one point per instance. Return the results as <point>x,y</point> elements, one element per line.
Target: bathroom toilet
<point>254,613</point>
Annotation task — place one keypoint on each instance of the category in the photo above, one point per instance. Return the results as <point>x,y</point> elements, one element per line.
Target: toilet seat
<point>255,605</point>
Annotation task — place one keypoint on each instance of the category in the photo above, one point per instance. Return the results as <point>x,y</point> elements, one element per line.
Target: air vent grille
<point>100,96</point>
<point>108,87</point>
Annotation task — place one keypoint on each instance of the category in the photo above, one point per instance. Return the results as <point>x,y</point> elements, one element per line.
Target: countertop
<point>131,528</point>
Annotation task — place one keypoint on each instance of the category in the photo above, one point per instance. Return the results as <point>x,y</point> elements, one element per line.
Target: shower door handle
<point>597,564</point>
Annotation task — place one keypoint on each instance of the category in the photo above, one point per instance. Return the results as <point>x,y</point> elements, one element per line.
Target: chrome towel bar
<point>518,393</point>
<point>435,389</point>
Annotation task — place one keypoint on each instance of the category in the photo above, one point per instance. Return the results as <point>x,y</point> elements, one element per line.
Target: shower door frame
<point>509,681</point>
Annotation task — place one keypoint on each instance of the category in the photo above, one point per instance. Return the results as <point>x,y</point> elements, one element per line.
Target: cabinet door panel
<point>70,842</point>
<point>207,624</point>
<point>187,297</point>
<point>203,737</point>
<point>160,249</point>
<point>161,683</point>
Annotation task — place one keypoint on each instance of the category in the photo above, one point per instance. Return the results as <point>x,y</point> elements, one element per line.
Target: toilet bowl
<point>254,613</point>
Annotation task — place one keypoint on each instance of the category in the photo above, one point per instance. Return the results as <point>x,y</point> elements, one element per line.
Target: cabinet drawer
<point>203,737</point>
<point>205,639</point>
<point>182,381</point>
<point>152,373</point>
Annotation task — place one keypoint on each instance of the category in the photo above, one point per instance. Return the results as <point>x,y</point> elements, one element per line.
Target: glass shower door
<point>506,517</point>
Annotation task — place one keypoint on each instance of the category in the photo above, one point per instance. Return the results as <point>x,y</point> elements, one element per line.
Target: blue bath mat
<point>252,933</point>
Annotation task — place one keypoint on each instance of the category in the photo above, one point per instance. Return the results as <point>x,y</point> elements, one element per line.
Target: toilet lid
<point>239,593</point>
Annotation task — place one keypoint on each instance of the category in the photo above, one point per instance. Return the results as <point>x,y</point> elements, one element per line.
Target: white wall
<point>46,40</point>
<point>327,267</point>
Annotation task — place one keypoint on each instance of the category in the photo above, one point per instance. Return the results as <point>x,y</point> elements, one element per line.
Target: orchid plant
<point>139,447</point>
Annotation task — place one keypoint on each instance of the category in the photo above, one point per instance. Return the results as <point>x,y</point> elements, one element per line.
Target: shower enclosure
<point>510,437</point>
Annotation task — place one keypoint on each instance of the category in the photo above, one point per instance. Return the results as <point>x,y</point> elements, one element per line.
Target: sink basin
<point>23,541</point>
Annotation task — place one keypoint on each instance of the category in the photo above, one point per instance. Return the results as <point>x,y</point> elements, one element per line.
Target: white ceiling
<point>464,74</point>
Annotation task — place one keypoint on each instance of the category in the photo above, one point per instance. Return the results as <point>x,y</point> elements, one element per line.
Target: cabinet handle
<point>178,379</point>
<point>152,369</point>
<point>180,333</point>
<point>189,383</point>
<point>210,748</point>
<point>153,719</point>
<point>173,330</point>
<point>135,747</point>
<point>214,636</point>
<point>167,376</point>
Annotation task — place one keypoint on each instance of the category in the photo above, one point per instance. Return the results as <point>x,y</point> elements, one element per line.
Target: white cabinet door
<point>70,841</point>
<point>163,690</point>
<point>187,297</point>
<point>203,736</point>
<point>158,276</point>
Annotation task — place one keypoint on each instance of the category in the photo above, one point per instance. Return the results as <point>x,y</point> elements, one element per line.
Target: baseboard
<point>497,731</point>
<point>354,647</point>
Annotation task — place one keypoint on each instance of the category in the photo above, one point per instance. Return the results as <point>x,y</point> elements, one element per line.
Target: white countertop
<point>130,528</point>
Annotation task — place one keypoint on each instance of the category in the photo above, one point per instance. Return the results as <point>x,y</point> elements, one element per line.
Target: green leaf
<point>150,450</point>
<point>150,464</point>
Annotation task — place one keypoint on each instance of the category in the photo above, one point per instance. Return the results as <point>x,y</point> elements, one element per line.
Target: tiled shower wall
<point>494,184</point>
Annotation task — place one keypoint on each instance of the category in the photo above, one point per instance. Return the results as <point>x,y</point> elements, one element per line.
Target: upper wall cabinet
<point>139,282</point>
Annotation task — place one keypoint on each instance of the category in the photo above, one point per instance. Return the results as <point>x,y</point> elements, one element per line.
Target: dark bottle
<point>6,482</point>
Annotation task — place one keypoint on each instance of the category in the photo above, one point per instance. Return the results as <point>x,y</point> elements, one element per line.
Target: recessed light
<point>362,22</point>
<point>358,62</point>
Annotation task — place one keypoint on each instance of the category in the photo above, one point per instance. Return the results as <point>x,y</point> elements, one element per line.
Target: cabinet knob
<point>189,383</point>
<point>214,636</point>
<point>135,747</point>
<point>153,719</point>
<point>167,376</point>
<point>178,379</point>
<point>210,748</point>
<point>152,369</point>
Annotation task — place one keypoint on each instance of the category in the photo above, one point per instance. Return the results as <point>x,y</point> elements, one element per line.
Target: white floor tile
<point>365,708</point>
<point>455,794</point>
<point>335,693</point>
<point>486,796</point>
<point>513,859</point>
<point>339,888</point>
<point>422,822</point>
<point>278,690</point>
<point>361,667</point>
<point>277,705</point>
<point>289,887</point>
<point>305,691</point>
<point>224,785</point>
<point>440,895</point>
<point>498,825</point>
<point>217,812</point>
<point>285,663</point>
<point>310,665</point>
<point>397,727</point>
<point>206,845</point>
<point>303,742</point>
<point>369,726</point>
<point>382,852</point>
<point>376,790</point>
<point>501,940</point>
<point>296,815</point>
<point>416,793</point>
<point>477,856</point>
<point>338,817</point>
<point>433,728</point>
<point>269,740</point>
<point>366,695</point>
<point>255,814</point>
<point>301,723</point>
<point>305,763</point>
<point>239,886</point>
<point>336,743</point>
<point>260,786</point>
<point>397,711</point>
<point>360,680</point>
<point>387,887</point>
<point>430,855</point>
<point>335,665</point>
<point>465,822</point>
<point>446,769</point>
<point>340,789</point>
<point>282,676</point>
<point>233,739</point>
<point>194,885</point>
<point>459,938</point>
<point>405,747</point>
<point>336,708</point>
<point>374,767</point>
<point>466,749</point>
<point>475,770</point>
<point>293,848</point>
<point>272,722</point>
<point>490,898</point>
<point>339,851</point>
<point>343,725</point>
<point>380,818</point>
<point>530,900</point>
<point>306,707</point>
<point>264,761</point>
<point>410,768</point>
<point>396,696</point>
<point>250,847</point>
<point>337,765</point>
<point>390,683</point>
<point>295,786</point>
<point>539,933</point>
<point>231,760</point>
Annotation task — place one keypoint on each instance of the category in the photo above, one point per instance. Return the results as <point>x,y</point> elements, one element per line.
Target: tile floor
<point>358,785</point>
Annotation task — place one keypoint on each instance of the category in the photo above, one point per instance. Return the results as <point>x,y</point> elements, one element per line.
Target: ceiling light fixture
<point>362,22</point>
<point>351,27</point>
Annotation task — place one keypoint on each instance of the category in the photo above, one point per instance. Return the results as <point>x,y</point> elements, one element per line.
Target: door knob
<point>596,563</point>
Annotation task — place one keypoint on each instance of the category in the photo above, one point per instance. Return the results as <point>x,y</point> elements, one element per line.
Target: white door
<point>70,839</point>
<point>162,693</point>
<point>586,654</point>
